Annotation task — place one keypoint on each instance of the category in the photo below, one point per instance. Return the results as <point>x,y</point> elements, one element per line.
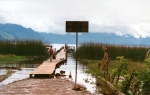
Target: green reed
<point>23,47</point>
<point>90,50</point>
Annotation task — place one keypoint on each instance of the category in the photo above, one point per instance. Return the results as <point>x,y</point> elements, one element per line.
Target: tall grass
<point>92,50</point>
<point>11,58</point>
<point>23,47</point>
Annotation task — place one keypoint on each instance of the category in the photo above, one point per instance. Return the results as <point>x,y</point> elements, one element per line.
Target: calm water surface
<point>82,78</point>
<point>69,67</point>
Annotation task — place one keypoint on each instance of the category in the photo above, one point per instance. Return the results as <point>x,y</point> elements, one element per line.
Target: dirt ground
<point>41,87</point>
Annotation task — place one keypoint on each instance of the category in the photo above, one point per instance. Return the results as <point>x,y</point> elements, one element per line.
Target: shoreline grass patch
<point>128,69</point>
<point>11,58</point>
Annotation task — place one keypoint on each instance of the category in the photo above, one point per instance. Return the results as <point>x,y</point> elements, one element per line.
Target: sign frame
<point>77,26</point>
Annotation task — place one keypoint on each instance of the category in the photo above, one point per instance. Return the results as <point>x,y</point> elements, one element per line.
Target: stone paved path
<point>41,87</point>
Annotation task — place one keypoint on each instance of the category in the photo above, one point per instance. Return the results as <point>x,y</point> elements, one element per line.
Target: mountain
<point>14,31</point>
<point>111,38</point>
<point>108,38</point>
<point>58,38</point>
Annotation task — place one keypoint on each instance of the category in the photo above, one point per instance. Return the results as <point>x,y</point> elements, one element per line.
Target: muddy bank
<point>41,87</point>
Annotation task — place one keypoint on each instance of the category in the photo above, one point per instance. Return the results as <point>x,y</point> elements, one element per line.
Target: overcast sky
<point>110,16</point>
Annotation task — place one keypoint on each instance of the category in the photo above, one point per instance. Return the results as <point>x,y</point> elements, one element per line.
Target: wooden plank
<point>48,67</point>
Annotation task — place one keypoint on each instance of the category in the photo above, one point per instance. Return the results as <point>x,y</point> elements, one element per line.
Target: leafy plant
<point>144,76</point>
<point>122,69</point>
<point>126,83</point>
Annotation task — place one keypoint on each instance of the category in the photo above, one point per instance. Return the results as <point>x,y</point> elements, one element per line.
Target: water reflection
<point>3,72</point>
<point>82,78</point>
<point>18,75</point>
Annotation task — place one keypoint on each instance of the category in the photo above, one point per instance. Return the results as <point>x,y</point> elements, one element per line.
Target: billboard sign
<point>76,26</point>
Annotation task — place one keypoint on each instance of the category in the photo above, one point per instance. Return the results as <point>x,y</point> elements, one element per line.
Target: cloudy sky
<point>111,16</point>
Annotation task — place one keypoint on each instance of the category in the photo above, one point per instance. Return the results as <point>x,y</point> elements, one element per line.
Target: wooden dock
<point>47,68</point>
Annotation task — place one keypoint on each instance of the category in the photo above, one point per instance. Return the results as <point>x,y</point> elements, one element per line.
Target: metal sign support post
<point>76,26</point>
<point>76,58</point>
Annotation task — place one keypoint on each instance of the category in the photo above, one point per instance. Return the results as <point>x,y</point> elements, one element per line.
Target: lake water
<point>69,67</point>
<point>82,78</point>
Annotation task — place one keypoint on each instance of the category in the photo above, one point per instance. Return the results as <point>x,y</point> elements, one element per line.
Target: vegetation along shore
<point>20,51</point>
<point>127,67</point>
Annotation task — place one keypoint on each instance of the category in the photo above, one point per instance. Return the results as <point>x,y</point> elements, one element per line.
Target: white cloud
<point>112,16</point>
<point>141,29</point>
